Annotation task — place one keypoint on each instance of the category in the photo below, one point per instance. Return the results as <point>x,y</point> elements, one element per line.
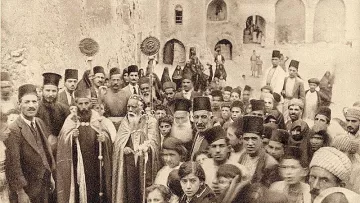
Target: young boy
<point>293,171</point>
<point>165,123</point>
<point>225,174</point>
<point>312,99</point>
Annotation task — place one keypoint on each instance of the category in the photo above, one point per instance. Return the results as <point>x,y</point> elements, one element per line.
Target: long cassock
<point>77,174</point>
<point>128,170</point>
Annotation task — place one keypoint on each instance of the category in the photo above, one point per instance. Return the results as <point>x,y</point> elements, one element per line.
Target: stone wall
<point>39,36</point>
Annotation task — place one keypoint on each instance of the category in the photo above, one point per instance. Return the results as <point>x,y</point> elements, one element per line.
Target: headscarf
<point>302,140</point>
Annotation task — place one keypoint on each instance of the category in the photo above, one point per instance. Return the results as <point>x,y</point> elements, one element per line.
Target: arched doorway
<point>329,22</point>
<point>255,30</point>
<point>290,21</point>
<point>225,47</point>
<point>174,52</point>
<point>217,11</point>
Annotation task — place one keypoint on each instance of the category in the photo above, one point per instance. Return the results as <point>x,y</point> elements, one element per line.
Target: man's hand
<point>23,197</point>
<point>101,137</point>
<point>128,150</point>
<point>75,133</point>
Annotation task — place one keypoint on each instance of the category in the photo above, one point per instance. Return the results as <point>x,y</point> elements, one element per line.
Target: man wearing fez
<point>133,87</point>
<point>257,108</point>
<point>227,93</point>
<point>182,127</point>
<point>187,85</point>
<point>312,98</point>
<point>77,165</point>
<point>246,98</point>
<point>29,162</point>
<point>293,87</point>
<point>203,120</point>
<point>98,80</point>
<point>169,89</point>
<point>275,75</point>
<point>8,101</point>
<point>261,166</point>
<point>135,152</point>
<point>115,98</point>
<point>52,112</point>
<point>70,82</point>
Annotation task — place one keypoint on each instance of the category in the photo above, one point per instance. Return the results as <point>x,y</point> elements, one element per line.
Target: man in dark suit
<point>70,82</point>
<point>187,85</point>
<point>29,161</point>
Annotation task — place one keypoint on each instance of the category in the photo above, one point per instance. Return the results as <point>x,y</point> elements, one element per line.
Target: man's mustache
<point>315,192</point>
<point>31,109</point>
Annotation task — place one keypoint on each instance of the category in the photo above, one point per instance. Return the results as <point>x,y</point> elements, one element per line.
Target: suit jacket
<point>277,81</point>
<point>193,94</point>
<point>298,90</point>
<point>25,166</point>
<point>128,90</point>
<point>62,98</point>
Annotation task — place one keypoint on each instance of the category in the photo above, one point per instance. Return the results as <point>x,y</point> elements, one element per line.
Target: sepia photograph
<point>180,101</point>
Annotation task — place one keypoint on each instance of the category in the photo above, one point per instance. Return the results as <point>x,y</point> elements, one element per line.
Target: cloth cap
<point>114,71</point>
<point>173,143</point>
<point>324,110</point>
<point>294,63</point>
<point>133,68</point>
<point>280,135</point>
<point>268,129</point>
<point>276,54</point>
<point>201,103</point>
<point>314,80</point>
<point>51,79</point>
<point>26,89</point>
<point>227,89</point>
<point>215,133</point>
<point>345,143</point>
<point>353,112</point>
<point>253,124</point>
<point>71,74</point>
<point>144,80</point>
<point>333,161</point>
<point>257,105</point>
<point>98,69</point>
<point>228,171</point>
<point>169,84</point>
<point>247,88</point>
<point>182,104</point>
<point>297,102</point>
<point>5,76</point>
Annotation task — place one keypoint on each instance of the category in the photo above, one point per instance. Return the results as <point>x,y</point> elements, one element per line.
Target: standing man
<point>312,99</point>
<point>133,87</point>
<point>293,87</point>
<point>66,97</point>
<point>203,120</point>
<point>78,172</point>
<point>98,80</point>
<point>187,88</point>
<point>253,63</point>
<point>8,102</point>
<point>29,161</point>
<point>275,75</point>
<point>219,58</point>
<point>52,112</point>
<point>115,98</point>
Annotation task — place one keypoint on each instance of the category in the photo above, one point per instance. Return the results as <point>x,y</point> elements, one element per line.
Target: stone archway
<point>174,52</point>
<point>255,30</point>
<point>329,21</point>
<point>217,11</point>
<point>226,48</point>
<point>290,21</point>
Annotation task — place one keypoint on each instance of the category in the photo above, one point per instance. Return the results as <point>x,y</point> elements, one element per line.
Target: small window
<point>178,14</point>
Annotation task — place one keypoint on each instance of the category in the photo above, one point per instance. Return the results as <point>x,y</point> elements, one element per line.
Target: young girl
<point>192,180</point>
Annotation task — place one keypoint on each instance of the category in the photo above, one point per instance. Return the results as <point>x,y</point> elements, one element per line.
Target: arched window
<point>217,11</point>
<point>178,14</point>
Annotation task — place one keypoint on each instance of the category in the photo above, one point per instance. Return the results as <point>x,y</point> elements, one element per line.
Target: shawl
<point>149,127</point>
<point>65,171</point>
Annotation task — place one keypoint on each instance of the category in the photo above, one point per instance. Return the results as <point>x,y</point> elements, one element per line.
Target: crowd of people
<point>129,137</point>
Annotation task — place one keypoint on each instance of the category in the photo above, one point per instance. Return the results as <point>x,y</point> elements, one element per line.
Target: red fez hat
<point>247,88</point>
<point>133,68</point>
<point>324,110</point>
<point>5,76</point>
<point>83,93</point>
<point>173,143</point>
<point>257,105</point>
<point>268,129</point>
<point>182,104</point>
<point>294,63</point>
<point>227,89</point>
<point>144,80</point>
<point>98,69</point>
<point>239,104</point>
<point>276,54</point>
<point>314,80</point>
<point>51,79</point>
<point>280,135</point>
<point>26,89</point>
<point>201,103</point>
<point>115,71</point>
<point>71,74</point>
<point>253,124</point>
<point>215,133</point>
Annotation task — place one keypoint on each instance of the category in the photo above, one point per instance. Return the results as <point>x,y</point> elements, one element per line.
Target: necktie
<point>33,130</point>
<point>134,90</point>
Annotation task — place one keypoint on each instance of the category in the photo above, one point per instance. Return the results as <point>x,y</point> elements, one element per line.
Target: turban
<point>345,143</point>
<point>353,112</point>
<point>297,102</point>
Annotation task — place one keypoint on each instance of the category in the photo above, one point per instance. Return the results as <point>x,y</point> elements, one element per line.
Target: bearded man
<point>52,112</point>
<point>78,169</point>
<point>182,127</point>
<point>136,142</point>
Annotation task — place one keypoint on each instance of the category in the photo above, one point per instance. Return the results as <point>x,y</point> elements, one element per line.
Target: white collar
<point>26,120</point>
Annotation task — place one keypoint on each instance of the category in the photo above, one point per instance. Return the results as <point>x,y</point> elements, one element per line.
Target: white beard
<point>134,121</point>
<point>183,132</point>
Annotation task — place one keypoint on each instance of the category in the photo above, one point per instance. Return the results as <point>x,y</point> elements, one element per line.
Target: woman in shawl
<point>177,76</point>
<point>299,137</point>
<point>141,73</point>
<point>326,84</point>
